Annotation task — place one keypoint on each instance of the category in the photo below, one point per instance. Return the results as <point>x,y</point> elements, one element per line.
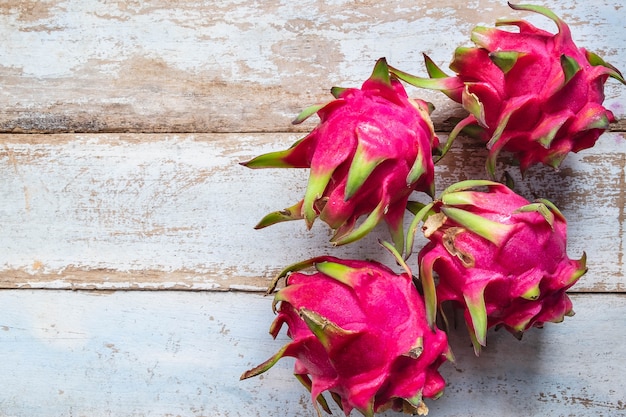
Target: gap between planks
<point>65,170</point>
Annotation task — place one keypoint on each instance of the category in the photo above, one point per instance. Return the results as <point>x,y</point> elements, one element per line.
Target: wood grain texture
<point>232,66</point>
<point>177,211</point>
<point>85,354</point>
<point>121,128</point>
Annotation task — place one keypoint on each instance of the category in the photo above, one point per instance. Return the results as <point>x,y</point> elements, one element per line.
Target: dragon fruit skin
<point>358,330</point>
<point>497,256</point>
<point>371,150</point>
<point>531,92</point>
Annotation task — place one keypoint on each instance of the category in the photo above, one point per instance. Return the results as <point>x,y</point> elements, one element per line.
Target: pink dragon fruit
<point>497,256</point>
<point>371,150</point>
<point>533,93</point>
<point>359,331</point>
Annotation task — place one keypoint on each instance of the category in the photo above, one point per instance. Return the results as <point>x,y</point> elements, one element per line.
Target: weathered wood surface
<point>181,354</point>
<point>145,211</point>
<point>137,115</point>
<point>232,66</point>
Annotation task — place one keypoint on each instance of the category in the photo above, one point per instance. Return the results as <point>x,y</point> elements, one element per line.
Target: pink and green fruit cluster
<point>369,335</point>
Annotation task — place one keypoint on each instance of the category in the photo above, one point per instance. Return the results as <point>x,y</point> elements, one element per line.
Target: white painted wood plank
<point>229,65</point>
<point>177,211</point>
<point>181,353</point>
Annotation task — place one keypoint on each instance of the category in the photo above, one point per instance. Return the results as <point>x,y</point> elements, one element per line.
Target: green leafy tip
<point>290,213</point>
<point>493,231</point>
<point>540,208</point>
<point>394,252</point>
<point>581,269</point>
<point>478,313</point>
<point>363,164</point>
<point>474,106</point>
<point>419,216</point>
<point>298,266</point>
<point>459,198</point>
<point>327,332</point>
<point>613,72</point>
<point>308,384</point>
<point>381,72</point>
<point>337,271</point>
<point>428,286</point>
<point>375,217</point>
<point>259,369</point>
<point>314,191</point>
<point>417,170</point>
<point>563,28</point>
<point>570,67</point>
<point>505,60</point>
<point>553,208</point>
<point>443,84</point>
<point>306,113</point>
<point>433,70</point>
<point>468,185</point>
<point>270,160</point>
<point>338,91</point>
<point>532,293</point>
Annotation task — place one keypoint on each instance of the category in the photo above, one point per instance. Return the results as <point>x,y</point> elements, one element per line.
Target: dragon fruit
<point>359,331</point>
<point>500,258</point>
<point>371,150</point>
<point>531,92</point>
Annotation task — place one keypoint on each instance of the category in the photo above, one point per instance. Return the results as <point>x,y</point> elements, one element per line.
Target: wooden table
<point>131,278</point>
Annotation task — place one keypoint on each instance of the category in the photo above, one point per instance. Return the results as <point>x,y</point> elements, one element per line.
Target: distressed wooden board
<point>181,354</point>
<point>233,66</point>
<point>174,211</point>
<point>142,211</point>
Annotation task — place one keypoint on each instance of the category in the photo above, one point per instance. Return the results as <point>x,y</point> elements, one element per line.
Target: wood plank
<point>232,66</point>
<point>149,211</point>
<point>181,353</point>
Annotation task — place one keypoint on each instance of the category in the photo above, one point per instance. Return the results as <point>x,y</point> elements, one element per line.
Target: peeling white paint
<point>156,211</point>
<point>163,63</point>
<point>181,353</point>
<point>182,208</point>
